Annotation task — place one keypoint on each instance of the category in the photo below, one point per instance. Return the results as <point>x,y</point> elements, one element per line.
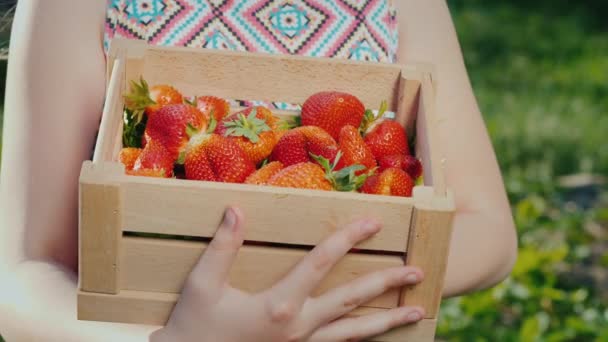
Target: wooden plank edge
<point>255,269</point>
<point>138,307</point>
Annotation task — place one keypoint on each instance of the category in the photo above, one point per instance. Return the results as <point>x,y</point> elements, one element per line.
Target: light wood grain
<point>254,76</point>
<point>407,105</point>
<point>99,232</point>
<point>427,144</point>
<point>111,119</point>
<point>163,266</point>
<point>280,215</point>
<point>136,307</point>
<point>153,308</point>
<point>428,249</point>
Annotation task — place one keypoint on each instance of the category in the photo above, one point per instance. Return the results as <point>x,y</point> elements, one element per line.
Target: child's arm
<point>54,97</point>
<point>484,243</point>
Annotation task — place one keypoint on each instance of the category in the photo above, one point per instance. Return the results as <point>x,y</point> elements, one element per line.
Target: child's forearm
<point>38,303</point>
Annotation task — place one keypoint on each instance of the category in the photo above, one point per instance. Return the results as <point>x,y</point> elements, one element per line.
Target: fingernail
<point>371,226</point>
<point>229,218</point>
<point>411,278</point>
<point>414,316</point>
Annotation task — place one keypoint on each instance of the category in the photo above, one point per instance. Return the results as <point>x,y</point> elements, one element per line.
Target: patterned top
<point>353,29</point>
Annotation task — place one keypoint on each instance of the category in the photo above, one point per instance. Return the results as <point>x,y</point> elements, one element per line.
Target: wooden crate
<point>125,278</point>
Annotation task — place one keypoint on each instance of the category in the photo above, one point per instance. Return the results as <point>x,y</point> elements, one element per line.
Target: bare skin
<point>55,89</point>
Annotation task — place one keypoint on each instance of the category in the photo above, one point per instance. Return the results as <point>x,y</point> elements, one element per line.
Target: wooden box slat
<point>255,269</point>
<point>266,77</point>
<point>279,215</point>
<point>154,308</point>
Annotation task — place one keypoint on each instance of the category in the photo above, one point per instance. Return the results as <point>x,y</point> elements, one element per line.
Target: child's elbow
<point>483,254</point>
<point>503,254</point>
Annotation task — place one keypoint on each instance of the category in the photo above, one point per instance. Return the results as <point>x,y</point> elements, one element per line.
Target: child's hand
<point>211,310</point>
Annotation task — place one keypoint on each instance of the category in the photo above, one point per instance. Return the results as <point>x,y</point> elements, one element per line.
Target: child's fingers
<point>342,300</point>
<point>308,273</point>
<point>214,265</point>
<point>363,327</point>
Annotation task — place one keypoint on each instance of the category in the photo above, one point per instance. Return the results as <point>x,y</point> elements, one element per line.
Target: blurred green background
<point>539,69</point>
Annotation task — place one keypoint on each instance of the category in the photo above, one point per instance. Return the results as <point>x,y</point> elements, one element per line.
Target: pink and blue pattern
<point>364,30</point>
<point>353,29</point>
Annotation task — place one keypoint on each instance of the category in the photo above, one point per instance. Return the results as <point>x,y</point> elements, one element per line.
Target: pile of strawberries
<point>336,144</point>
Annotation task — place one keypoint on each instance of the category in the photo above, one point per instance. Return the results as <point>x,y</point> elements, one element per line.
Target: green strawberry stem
<point>133,130</point>
<point>345,179</point>
<point>249,127</point>
<point>290,123</point>
<point>369,118</point>
<point>138,99</point>
<point>193,103</point>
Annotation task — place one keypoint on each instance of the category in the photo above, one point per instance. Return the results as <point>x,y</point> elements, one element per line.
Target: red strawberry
<point>253,130</point>
<point>128,156</point>
<point>319,142</point>
<point>169,126</point>
<point>264,174</point>
<point>303,176</point>
<point>155,157</point>
<point>407,163</point>
<point>291,149</point>
<point>387,138</point>
<point>148,173</point>
<point>212,157</point>
<point>211,104</point>
<point>142,99</point>
<point>354,150</point>
<point>331,111</point>
<point>296,145</point>
<point>391,182</point>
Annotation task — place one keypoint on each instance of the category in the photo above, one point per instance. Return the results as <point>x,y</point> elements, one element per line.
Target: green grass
<point>539,72</point>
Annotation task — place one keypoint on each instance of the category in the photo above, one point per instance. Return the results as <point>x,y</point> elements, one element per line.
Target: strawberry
<point>211,105</point>
<point>291,148</point>
<point>305,175</point>
<point>387,138</point>
<point>391,182</point>
<point>143,99</point>
<point>213,157</point>
<point>354,150</point>
<point>319,142</point>
<point>128,156</point>
<point>252,129</point>
<point>407,163</point>
<point>320,175</point>
<point>155,157</point>
<point>264,174</point>
<point>148,173</point>
<point>331,111</point>
<point>170,125</point>
<point>296,145</point>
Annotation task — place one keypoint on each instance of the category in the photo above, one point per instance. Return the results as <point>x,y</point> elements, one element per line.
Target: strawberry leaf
<point>345,172</point>
<point>212,124</point>
<point>369,118</point>
<point>133,129</point>
<point>248,126</point>
<point>324,162</point>
<point>138,99</point>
